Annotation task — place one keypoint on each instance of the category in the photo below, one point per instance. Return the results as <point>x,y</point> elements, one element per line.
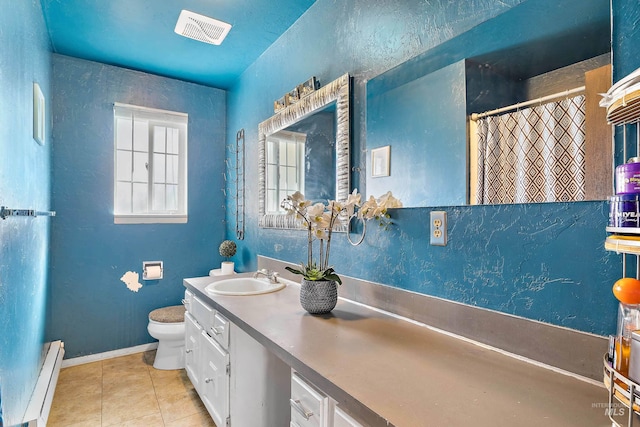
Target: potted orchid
<point>318,292</point>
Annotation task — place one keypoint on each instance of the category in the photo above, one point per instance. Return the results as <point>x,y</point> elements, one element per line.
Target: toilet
<point>167,326</point>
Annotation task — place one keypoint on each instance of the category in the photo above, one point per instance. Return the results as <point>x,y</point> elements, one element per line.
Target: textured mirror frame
<point>337,91</point>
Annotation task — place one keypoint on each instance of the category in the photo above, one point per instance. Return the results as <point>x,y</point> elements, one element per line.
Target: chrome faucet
<point>271,275</point>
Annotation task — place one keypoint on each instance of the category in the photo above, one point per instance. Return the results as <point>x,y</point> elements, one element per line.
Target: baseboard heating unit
<point>42,397</point>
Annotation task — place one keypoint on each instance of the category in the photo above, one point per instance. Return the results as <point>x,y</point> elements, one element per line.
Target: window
<point>285,167</point>
<point>150,170</point>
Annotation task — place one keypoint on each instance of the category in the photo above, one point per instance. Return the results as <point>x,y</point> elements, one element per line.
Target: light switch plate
<point>438,228</point>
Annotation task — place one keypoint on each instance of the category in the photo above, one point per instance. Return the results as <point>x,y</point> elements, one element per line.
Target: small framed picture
<point>279,104</point>
<point>308,87</point>
<point>38,114</point>
<point>380,161</point>
<point>292,97</point>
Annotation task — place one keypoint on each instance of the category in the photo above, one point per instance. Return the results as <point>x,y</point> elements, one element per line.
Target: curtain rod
<point>476,116</point>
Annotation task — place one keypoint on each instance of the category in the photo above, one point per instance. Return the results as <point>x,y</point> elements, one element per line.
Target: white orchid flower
<point>303,204</point>
<point>316,216</point>
<point>315,210</point>
<point>296,197</point>
<point>368,208</point>
<point>353,200</point>
<point>335,207</point>
<point>323,221</point>
<point>388,201</point>
<point>320,234</point>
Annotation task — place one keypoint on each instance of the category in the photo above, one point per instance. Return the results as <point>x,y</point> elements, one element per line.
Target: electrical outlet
<point>438,228</point>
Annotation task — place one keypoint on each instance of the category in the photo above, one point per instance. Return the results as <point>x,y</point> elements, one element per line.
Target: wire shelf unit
<point>623,393</point>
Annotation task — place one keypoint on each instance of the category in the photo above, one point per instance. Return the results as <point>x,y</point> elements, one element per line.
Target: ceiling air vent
<point>201,28</point>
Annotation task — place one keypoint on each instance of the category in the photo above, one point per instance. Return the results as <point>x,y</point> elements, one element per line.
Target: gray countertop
<point>390,371</point>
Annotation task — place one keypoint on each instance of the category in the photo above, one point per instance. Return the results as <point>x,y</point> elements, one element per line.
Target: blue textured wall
<point>92,311</point>
<point>626,35</point>
<point>541,261</point>
<point>24,183</point>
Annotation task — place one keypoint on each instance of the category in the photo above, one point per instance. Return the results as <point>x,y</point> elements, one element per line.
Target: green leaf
<point>333,276</point>
<point>294,271</point>
<point>312,273</point>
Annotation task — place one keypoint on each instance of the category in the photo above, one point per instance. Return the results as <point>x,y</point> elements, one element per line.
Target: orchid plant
<point>320,221</point>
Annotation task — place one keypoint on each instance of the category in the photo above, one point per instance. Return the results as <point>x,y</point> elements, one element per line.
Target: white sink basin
<point>243,286</point>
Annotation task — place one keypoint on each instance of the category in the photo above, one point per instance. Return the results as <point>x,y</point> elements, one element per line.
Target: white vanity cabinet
<point>240,382</point>
<point>207,357</point>
<point>311,407</point>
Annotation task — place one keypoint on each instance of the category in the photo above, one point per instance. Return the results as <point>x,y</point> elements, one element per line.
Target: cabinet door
<point>215,380</point>
<point>192,332</point>
<point>186,301</point>
<point>341,419</point>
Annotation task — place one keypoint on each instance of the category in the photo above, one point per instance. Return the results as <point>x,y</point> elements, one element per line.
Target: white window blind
<point>150,173</point>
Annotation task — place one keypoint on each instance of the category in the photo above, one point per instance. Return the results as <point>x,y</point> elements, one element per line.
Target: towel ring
<point>364,230</point>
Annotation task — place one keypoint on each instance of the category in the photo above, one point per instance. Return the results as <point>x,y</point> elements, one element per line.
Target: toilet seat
<point>172,314</point>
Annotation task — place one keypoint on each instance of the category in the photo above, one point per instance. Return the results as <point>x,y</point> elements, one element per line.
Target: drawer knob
<point>295,404</point>
<point>189,351</point>
<point>208,380</point>
<point>217,331</point>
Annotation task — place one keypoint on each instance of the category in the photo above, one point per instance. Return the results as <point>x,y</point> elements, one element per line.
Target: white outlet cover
<point>438,234</point>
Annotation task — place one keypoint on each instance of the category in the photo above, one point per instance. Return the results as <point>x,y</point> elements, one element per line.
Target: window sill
<point>150,219</point>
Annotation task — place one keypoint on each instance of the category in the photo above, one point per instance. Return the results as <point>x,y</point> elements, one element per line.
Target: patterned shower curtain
<point>532,155</point>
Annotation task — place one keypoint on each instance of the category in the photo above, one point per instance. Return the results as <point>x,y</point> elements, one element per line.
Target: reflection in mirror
<point>302,158</point>
<point>421,108</point>
<point>305,148</point>
<point>426,134</point>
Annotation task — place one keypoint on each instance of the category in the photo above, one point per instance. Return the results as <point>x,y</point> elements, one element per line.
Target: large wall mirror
<point>305,148</point>
<point>421,109</point>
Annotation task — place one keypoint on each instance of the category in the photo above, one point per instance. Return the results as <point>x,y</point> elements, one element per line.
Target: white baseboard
<point>40,404</point>
<point>108,354</point>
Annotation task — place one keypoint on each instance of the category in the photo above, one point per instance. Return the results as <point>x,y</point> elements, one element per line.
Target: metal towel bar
<point>6,212</point>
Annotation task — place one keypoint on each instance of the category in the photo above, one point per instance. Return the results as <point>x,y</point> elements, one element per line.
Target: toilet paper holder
<point>152,270</point>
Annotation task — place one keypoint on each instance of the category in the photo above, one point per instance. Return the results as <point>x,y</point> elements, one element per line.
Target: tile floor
<point>126,391</point>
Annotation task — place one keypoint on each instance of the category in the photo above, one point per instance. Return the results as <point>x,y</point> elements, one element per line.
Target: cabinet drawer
<point>341,419</point>
<point>220,330</point>
<point>188,298</point>
<point>308,405</point>
<point>203,313</point>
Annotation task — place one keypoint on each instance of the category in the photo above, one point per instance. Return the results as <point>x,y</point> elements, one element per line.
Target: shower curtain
<point>531,155</point>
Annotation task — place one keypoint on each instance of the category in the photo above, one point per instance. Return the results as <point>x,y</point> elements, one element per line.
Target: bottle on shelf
<point>628,321</point>
<point>627,291</point>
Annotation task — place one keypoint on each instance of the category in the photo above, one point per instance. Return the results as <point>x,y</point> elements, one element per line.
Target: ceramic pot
<point>226,268</point>
<point>319,296</point>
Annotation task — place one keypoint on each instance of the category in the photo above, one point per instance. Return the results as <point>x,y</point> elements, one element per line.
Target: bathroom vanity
<point>235,376</point>
<point>360,366</point>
